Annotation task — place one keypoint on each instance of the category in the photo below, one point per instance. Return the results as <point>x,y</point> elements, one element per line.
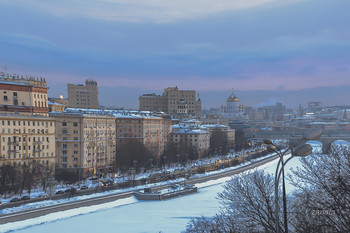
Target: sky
<point>205,45</point>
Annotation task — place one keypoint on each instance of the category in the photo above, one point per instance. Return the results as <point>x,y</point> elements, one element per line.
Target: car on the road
<point>71,191</point>
<point>59,192</point>
<point>84,187</point>
<point>43,195</point>
<point>15,199</point>
<point>107,182</point>
<point>25,198</point>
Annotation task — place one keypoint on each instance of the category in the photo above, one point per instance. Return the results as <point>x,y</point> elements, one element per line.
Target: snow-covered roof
<point>115,113</point>
<point>190,131</point>
<point>54,103</point>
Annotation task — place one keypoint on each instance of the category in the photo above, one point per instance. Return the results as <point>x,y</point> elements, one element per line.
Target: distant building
<point>231,110</point>
<point>59,100</point>
<point>56,107</point>
<point>80,96</point>
<point>179,103</point>
<point>57,104</point>
<point>23,95</point>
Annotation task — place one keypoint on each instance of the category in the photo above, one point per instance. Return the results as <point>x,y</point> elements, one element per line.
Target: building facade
<point>26,95</point>
<point>84,142</point>
<point>199,139</point>
<point>179,103</point>
<point>152,131</point>
<point>27,140</point>
<point>83,96</point>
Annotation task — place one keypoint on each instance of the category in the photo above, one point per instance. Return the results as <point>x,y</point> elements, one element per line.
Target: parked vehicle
<point>25,198</point>
<point>59,192</point>
<point>71,191</point>
<point>15,199</point>
<point>107,182</point>
<point>84,187</point>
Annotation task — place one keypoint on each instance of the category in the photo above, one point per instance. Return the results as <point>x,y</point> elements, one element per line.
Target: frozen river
<point>131,215</point>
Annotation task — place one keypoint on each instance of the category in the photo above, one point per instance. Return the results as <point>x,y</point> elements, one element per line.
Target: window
<point>75,152</point>
<point>64,146</point>
<point>75,124</point>
<point>76,138</point>
<point>75,145</point>
<point>64,123</point>
<point>5,98</point>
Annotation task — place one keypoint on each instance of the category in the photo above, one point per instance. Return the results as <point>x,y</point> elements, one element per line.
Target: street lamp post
<point>178,159</point>
<point>164,158</point>
<point>301,150</point>
<point>135,162</point>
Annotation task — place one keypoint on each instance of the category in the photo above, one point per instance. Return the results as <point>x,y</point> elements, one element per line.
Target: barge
<point>175,190</point>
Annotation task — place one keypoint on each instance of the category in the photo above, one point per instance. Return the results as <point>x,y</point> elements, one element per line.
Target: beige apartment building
<point>152,131</point>
<point>83,96</point>
<point>179,103</point>
<point>26,140</point>
<point>26,95</point>
<point>85,142</point>
<point>195,137</point>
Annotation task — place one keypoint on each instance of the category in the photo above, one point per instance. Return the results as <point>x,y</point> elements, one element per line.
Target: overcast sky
<point>194,44</point>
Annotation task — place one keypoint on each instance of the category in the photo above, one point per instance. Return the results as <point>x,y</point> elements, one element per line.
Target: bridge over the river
<point>327,137</point>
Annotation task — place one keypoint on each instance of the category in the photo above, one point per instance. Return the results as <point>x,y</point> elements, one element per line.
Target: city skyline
<point>207,46</point>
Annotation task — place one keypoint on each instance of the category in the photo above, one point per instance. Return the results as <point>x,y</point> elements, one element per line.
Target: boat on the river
<point>175,190</point>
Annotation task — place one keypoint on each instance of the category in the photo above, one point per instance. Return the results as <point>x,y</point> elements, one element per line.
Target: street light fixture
<point>135,162</point>
<point>178,159</point>
<point>164,158</point>
<point>299,150</point>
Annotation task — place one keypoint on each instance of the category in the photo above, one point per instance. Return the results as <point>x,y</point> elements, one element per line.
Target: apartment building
<point>85,142</point>
<point>198,138</point>
<point>83,96</point>
<point>179,103</point>
<point>152,131</point>
<point>26,95</point>
<point>27,140</point>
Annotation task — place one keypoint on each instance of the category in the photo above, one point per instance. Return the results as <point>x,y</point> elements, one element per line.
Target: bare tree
<point>247,205</point>
<point>322,202</point>
<point>132,151</point>
<point>218,141</point>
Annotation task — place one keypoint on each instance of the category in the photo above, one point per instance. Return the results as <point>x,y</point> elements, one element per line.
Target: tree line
<point>15,179</point>
<point>135,155</point>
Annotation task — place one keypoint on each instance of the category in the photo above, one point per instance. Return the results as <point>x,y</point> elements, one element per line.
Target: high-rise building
<point>20,94</point>
<point>83,96</point>
<point>179,103</point>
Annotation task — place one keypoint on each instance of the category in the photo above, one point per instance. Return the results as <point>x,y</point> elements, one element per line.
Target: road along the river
<point>33,213</point>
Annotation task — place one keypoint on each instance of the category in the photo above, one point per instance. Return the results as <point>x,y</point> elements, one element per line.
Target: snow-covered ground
<point>131,215</point>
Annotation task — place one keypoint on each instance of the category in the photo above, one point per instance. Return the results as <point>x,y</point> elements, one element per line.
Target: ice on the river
<point>130,215</point>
